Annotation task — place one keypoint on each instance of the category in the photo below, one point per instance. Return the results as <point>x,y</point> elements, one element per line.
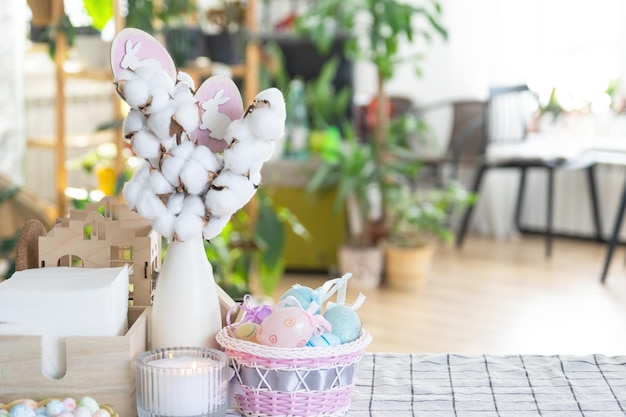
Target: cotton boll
<point>176,203</point>
<point>164,224</point>
<point>188,117</point>
<point>158,183</point>
<point>245,156</point>
<point>183,94</point>
<point>135,92</point>
<point>135,185</point>
<point>255,177</point>
<point>146,72</point>
<point>188,226</point>
<point>194,177</point>
<point>276,101</point>
<point>193,204</point>
<point>162,80</point>
<point>146,145</point>
<point>209,161</point>
<point>228,193</point>
<point>149,205</point>
<point>134,122</point>
<point>168,144</point>
<point>265,124</point>
<point>238,130</point>
<point>214,226</point>
<point>267,120</point>
<point>159,123</point>
<point>171,168</point>
<point>159,99</point>
<point>184,150</point>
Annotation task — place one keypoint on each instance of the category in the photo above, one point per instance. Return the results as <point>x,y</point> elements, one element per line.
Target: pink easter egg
<point>286,327</point>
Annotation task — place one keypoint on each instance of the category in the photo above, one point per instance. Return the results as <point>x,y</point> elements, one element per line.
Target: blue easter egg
<point>22,410</point>
<point>304,295</point>
<point>54,408</point>
<point>345,323</point>
<point>323,340</point>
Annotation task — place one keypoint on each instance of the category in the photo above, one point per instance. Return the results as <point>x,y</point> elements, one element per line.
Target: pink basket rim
<point>263,351</point>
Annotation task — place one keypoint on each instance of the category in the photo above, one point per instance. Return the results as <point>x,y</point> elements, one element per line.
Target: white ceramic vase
<point>185,308</point>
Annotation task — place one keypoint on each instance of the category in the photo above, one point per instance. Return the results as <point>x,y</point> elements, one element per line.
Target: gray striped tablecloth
<point>407,385</point>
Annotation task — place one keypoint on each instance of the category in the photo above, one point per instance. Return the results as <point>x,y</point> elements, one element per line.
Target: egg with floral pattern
<point>286,327</point>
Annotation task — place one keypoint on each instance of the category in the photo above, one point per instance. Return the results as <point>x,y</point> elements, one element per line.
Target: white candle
<point>186,386</point>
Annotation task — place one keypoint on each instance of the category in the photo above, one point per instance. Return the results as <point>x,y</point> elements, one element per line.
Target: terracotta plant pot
<point>364,262</point>
<point>408,268</point>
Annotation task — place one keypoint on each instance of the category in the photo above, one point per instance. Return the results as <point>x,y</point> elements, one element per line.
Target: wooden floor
<point>502,297</point>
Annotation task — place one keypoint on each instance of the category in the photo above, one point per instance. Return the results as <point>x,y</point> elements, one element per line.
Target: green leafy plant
<point>327,106</point>
<point>415,215</point>
<point>359,176</point>
<point>250,250</point>
<point>374,30</point>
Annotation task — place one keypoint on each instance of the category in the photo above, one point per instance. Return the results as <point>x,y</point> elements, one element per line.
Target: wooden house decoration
<point>106,234</point>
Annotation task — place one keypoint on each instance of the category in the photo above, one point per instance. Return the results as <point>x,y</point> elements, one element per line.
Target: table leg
<point>615,236</point>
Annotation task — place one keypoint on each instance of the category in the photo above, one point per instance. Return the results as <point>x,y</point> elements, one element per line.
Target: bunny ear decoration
<point>134,48</point>
<point>220,103</point>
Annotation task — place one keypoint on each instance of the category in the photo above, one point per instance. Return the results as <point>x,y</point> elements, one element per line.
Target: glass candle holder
<point>182,382</point>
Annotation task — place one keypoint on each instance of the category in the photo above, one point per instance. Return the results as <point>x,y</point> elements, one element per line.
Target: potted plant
<point>359,178</point>
<point>415,218</point>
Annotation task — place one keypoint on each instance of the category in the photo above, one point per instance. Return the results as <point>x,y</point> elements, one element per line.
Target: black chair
<point>465,144</point>
<point>508,112</point>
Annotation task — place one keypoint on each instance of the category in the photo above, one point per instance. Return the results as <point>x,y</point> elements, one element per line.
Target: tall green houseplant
<point>375,30</point>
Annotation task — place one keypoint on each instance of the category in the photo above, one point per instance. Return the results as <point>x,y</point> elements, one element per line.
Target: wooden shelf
<point>73,141</point>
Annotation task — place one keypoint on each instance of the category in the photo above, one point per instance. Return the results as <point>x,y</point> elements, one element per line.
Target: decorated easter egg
<point>89,403</point>
<point>286,327</point>
<point>82,411</point>
<point>304,295</point>
<point>22,410</point>
<point>345,323</point>
<point>323,340</point>
<point>54,408</point>
<point>246,331</point>
<point>101,413</point>
<point>69,404</point>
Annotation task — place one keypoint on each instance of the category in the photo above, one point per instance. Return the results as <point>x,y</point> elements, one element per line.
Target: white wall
<point>507,41</point>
